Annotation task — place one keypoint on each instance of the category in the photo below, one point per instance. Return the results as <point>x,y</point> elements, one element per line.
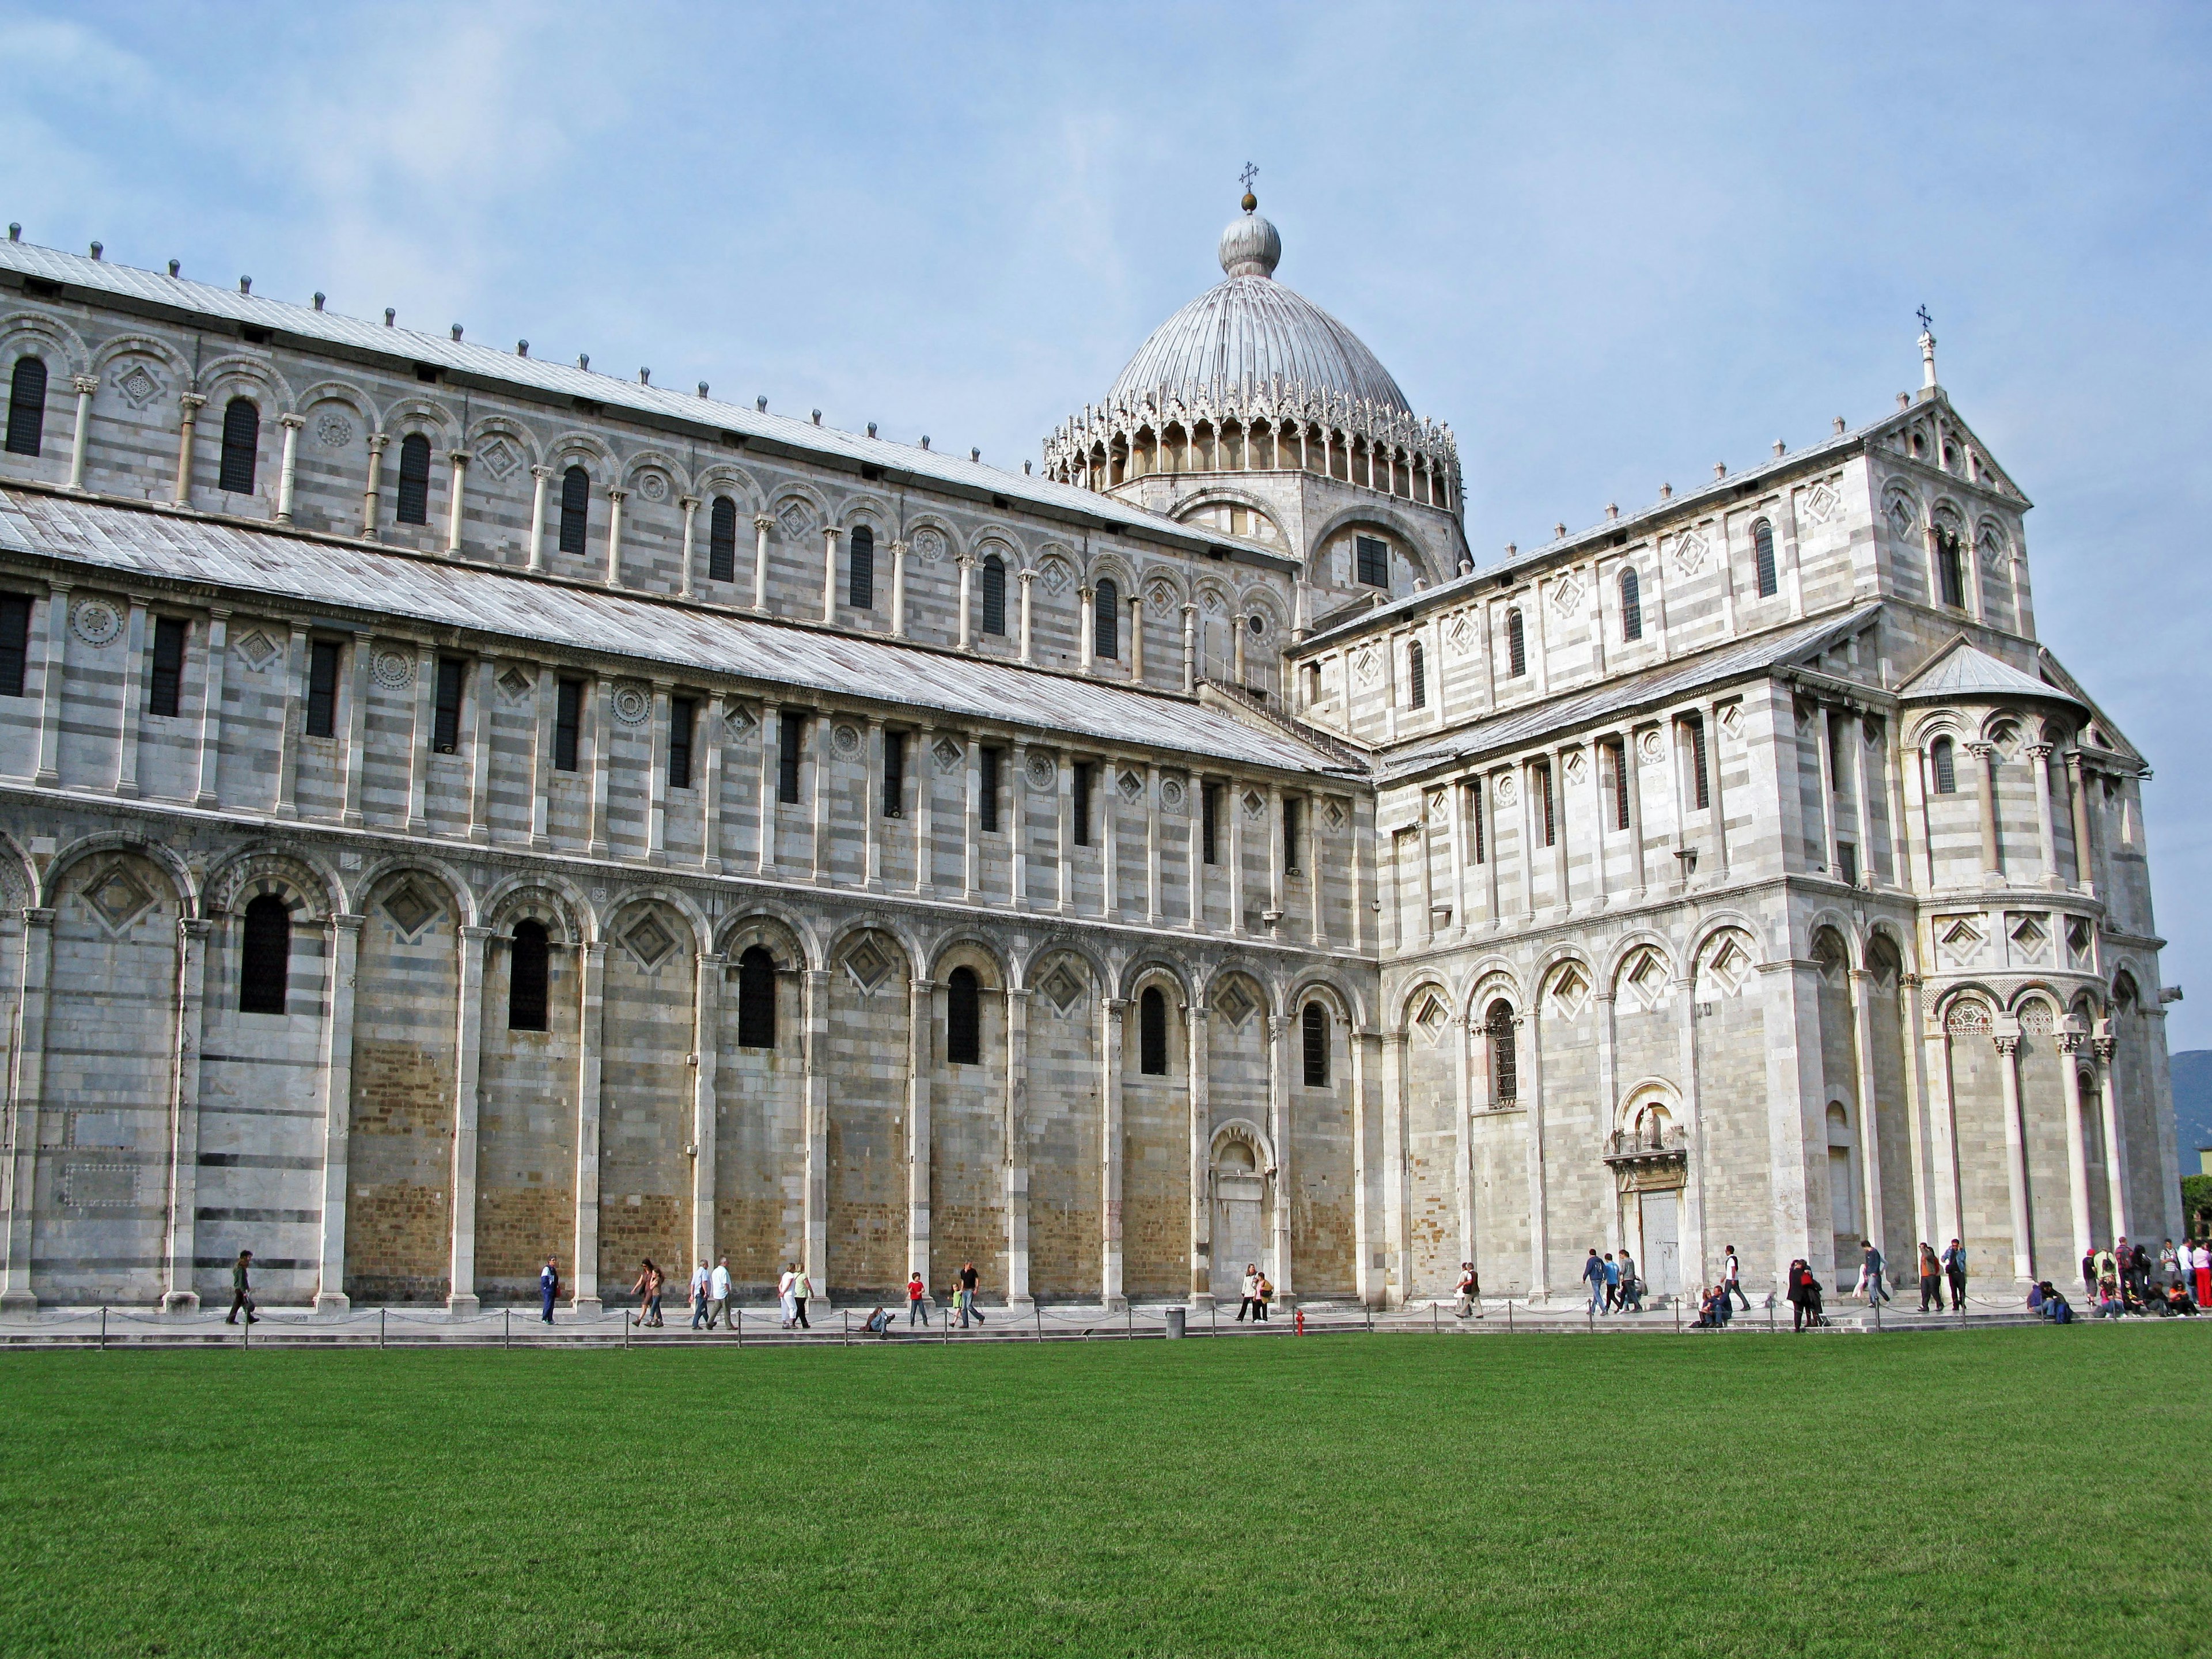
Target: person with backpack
<point>1870,1274</point>
<point>1801,1289</point>
<point>1632,1288</point>
<point>1593,1276</point>
<point>1612,1284</point>
<point>1250,1290</point>
<point>1931,1277</point>
<point>1955,1269</point>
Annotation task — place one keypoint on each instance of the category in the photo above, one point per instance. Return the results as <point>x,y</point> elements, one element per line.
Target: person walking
<point>802,1291</point>
<point>787,1310</point>
<point>1955,1270</point>
<point>718,1294</point>
<point>241,1290</point>
<point>1251,1294</point>
<point>1870,1274</point>
<point>1593,1276</point>
<point>1612,1284</point>
<point>647,1287</point>
<point>1931,1277</point>
<point>1732,1278</point>
<point>549,1288</point>
<point>1632,1288</point>
<point>969,1278</point>
<point>1264,1296</point>
<point>1470,1288</point>
<point>700,1279</point>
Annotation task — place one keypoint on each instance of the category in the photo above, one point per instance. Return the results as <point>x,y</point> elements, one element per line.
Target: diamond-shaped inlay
<point>1433,806</point>
<point>498,457</point>
<point>1574,766</point>
<point>1567,594</point>
<point>117,896</point>
<point>1820,503</point>
<point>1459,635</point>
<point>1569,991</point>
<point>868,965</point>
<point>1212,602</point>
<point>1332,815</point>
<point>1162,598</point>
<point>1234,1007</point>
<point>2077,938</point>
<point>138,386</point>
<point>738,720</point>
<point>1133,787</point>
<point>2030,931</point>
<point>516,684</point>
<point>1730,965</point>
<point>650,941</point>
<point>1255,804</point>
<point>794,515</point>
<point>1367,666</point>
<point>1433,1018</point>
<point>947,753</point>
<point>1062,988</point>
<point>1054,576</point>
<point>1962,933</point>
<point>258,648</point>
<point>1690,551</point>
<point>409,908</point>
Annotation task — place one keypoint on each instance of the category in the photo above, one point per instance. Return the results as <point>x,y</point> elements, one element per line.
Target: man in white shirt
<point>718,1293</point>
<point>700,1279</point>
<point>1731,1281</point>
<point>785,1300</point>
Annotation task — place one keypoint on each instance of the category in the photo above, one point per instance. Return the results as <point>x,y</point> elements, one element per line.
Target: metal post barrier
<point>947,1337</point>
<point>1129,1310</point>
<point>103,1326</point>
<point>845,1337</point>
<point>245,1330</point>
<point>379,1330</point>
<point>1037,1314</point>
<point>625,1330</point>
<point>737,1324</point>
<point>1678,1311</point>
<point>507,1329</point>
<point>1509,1313</point>
<point>1215,1321</point>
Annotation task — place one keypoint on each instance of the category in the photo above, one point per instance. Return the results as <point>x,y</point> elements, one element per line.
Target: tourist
<point>1251,1294</point>
<point>2138,1274</point>
<point>2169,1266</point>
<point>2035,1297</point>
<point>701,1278</point>
<point>2109,1305</point>
<point>916,1294</point>
<point>2089,1271</point>
<point>1709,1302</point>
<point>1955,1269</point>
<point>1802,1292</point>
<point>1593,1276</point>
<point>1732,1277</point>
<point>969,1278</point>
<point>1632,1288</point>
<point>2054,1308</point>
<point>786,1305</point>
<point>549,1288</point>
<point>1870,1272</point>
<point>2176,1300</point>
<point>1612,1284</point>
<point>802,1291</point>
<point>643,1291</point>
<point>718,1294</point>
<point>880,1322</point>
<point>1931,1277</point>
<point>1470,1290</point>
<point>2200,1268</point>
<point>1267,1295</point>
<point>241,1291</point>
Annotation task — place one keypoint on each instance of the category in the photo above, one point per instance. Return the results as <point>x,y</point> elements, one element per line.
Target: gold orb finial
<point>1251,202</point>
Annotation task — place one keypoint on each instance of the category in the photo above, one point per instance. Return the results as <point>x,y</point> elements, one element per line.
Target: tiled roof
<point>370,583</point>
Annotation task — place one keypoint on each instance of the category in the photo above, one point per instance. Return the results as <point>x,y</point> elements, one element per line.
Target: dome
<point>1252,330</point>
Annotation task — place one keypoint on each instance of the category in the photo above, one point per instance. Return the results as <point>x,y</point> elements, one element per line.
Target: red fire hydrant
<point>1299,1322</point>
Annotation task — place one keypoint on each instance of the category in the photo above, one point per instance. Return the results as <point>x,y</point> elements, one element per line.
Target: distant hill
<point>2192,1104</point>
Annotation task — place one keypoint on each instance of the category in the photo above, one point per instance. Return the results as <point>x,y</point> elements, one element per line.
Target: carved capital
<point>2007,1044</point>
<point>378,443</point>
<point>291,422</point>
<point>193,403</point>
<point>616,493</point>
<point>2104,1046</point>
<point>689,503</point>
<point>764,522</point>
<point>86,385</point>
<point>541,472</point>
<point>459,457</point>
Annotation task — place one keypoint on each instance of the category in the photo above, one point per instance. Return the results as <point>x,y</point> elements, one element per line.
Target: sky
<point>1612,246</point>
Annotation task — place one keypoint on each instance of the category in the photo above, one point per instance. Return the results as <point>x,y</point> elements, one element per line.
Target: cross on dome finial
<point>1245,178</point>
<point>1927,350</point>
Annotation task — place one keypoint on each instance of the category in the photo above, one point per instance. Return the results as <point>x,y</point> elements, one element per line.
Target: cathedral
<point>458,808</point>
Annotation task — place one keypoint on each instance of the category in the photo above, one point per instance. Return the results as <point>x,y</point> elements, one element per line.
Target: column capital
<point>378,442</point>
<point>195,926</point>
<point>288,419</point>
<point>965,558</point>
<point>459,457</point>
<point>2038,750</point>
<point>193,401</point>
<point>1019,993</point>
<point>831,532</point>
<point>689,503</point>
<point>2104,1046</point>
<point>86,385</point>
<point>477,931</point>
<point>344,922</point>
<point>617,493</point>
<point>541,470</point>
<point>713,958</point>
<point>764,522</point>
<point>2007,1044</point>
<point>1114,1005</point>
<point>921,986</point>
<point>1026,575</point>
<point>1978,749</point>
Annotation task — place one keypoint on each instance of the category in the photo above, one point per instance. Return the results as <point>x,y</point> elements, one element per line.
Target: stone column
<point>1824,744</point>
<point>1230,796</point>
<point>829,533</point>
<point>715,719</point>
<point>1025,576</point>
<point>872,808</point>
<point>762,524</point>
<point>1137,639</point>
<point>23,1108</point>
<point>1018,1295</point>
<point>2077,795</point>
<point>547,687</point>
<point>337,1112</point>
<point>287,472</point>
<point>1917,1136</point>
<point>1275,858</point>
<point>1396,1196</point>
<point>1017,823</point>
<point>1155,911</point>
<point>590,1049</point>
<point>2046,840</point>
<point>1936,1045</point>
<point>1530,1026</point>
<point>80,440</point>
<point>967,563</point>
<point>540,478</point>
<point>418,747</point>
<point>1109,1155</point>
<point>211,675</point>
<point>1086,629</point>
<point>816,1062</point>
<point>770,802</point>
<point>295,727</point>
<point>1985,790</point>
<point>1197,1039</point>
<point>898,587</point>
<point>1869,1138</point>
<point>1362,1210</point>
<point>177,1293</point>
<point>1280,1130</point>
<point>1063,771</point>
<point>479,748</point>
<point>1794,1083</point>
<point>615,500</point>
<point>1189,649</point>
<point>2077,1157</point>
<point>360,654</point>
<point>825,766</point>
<point>2115,1146</point>
<point>603,732</point>
<point>705,1038</point>
<point>372,492</point>
<point>656,777</point>
<point>192,403</point>
<point>2023,1242</point>
<point>132,701</point>
<point>1463,1038</point>
<point>1109,800</point>
<point>919,1003</point>
<point>687,587</point>
<point>54,678</point>
<point>456,498</point>
<point>467,1054</point>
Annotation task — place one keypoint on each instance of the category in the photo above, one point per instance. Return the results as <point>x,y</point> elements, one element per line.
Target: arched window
<point>1152,1033</point>
<point>414,479</point>
<point>241,441</point>
<point>863,581</point>
<point>1106,620</point>
<point>1517,645</point>
<point>575,508</point>
<point>1505,1070</point>
<point>1632,604</point>
<point>964,1018</point>
<point>1941,755</point>
<point>722,541</point>
<point>1314,1022</point>
<point>529,972</point>
<point>1950,579</point>
<point>264,967</point>
<point>1417,676</point>
<point>755,999</point>
<point>1762,555</point>
<point>994,595</point>
<point>26,406</point>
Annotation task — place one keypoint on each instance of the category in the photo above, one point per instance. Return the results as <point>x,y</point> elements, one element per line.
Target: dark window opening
<point>722,541</point>
<point>567,723</point>
<point>323,658</point>
<point>755,999</point>
<point>1314,1020</point>
<point>894,774</point>
<point>863,568</point>
<point>165,685</point>
<point>683,721</point>
<point>994,595</point>
<point>1949,572</point>
<point>1947,767</point>
<point>1478,845</point>
<point>1701,783</point>
<point>26,406</point>
<point>529,974</point>
<point>964,1018</point>
<point>575,508</point>
<point>1504,1072</point>
<point>1373,557</point>
<point>1551,816</point>
<point>1152,1033</point>
<point>1620,784</point>
<point>241,439</point>
<point>265,964</point>
<point>1081,781</point>
<point>1209,805</point>
<point>15,642</point>
<point>986,786</point>
<point>1848,856</point>
<point>1632,604</point>
<point>1106,621</point>
<point>1517,646</point>
<point>1762,551</point>
<point>1293,825</point>
<point>445,727</point>
<point>1417,674</point>
<point>414,479</point>
<point>790,739</point>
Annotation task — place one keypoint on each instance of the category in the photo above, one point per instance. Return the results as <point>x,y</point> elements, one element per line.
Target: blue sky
<point>1612,246</point>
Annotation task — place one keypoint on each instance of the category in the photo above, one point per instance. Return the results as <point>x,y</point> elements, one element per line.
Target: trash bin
<point>1175,1322</point>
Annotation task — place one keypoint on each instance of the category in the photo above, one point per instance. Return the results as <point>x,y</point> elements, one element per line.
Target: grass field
<point>2007,1492</point>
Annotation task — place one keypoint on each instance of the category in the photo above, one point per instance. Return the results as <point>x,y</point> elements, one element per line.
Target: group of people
<point>1613,1286</point>
<point>1717,1303</point>
<point>1937,1271</point>
<point>959,1297</point>
<point>2127,1279</point>
<point>1258,1291</point>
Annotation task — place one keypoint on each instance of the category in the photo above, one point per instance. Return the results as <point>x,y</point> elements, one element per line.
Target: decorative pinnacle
<point>1251,202</point>
<point>1927,350</point>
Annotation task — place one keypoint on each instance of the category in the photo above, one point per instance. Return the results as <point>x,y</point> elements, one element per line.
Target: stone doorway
<point>1241,1232</point>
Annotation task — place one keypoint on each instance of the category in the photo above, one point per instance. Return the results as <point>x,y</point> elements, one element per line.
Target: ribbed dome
<point>1252,330</point>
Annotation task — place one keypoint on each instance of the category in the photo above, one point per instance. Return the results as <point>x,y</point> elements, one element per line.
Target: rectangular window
<point>445,726</point>
<point>1291,860</point>
<point>1208,795</point>
<point>986,784</point>
<point>894,774</point>
<point>1848,856</point>
<point>1082,789</point>
<point>1840,733</point>
<point>166,685</point>
<point>15,642</point>
<point>1550,816</point>
<point>790,740</point>
<point>323,687</point>
<point>1477,848</point>
<point>1374,561</point>
<point>1313,683</point>
<point>1700,784</point>
<point>683,721</point>
<point>567,723</point>
<point>1620,784</point>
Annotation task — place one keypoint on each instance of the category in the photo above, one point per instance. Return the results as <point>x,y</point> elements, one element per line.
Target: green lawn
<point>2005,1493</point>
